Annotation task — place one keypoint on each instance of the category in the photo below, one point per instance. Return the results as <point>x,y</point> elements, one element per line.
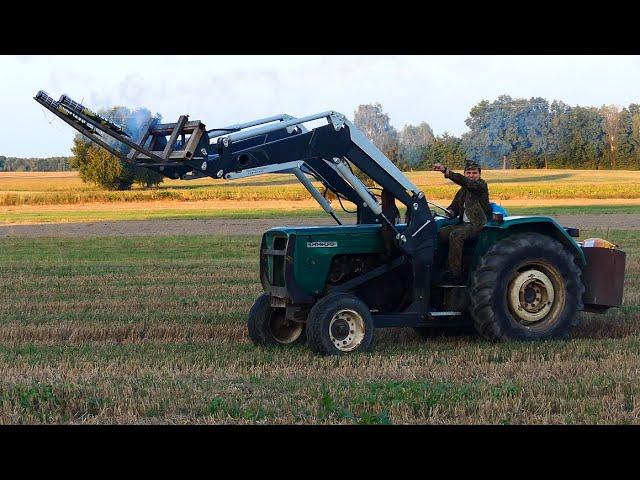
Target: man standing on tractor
<point>471,207</point>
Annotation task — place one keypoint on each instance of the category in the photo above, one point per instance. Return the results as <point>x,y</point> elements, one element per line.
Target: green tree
<point>445,149</point>
<point>98,166</point>
<point>375,124</point>
<point>146,178</point>
<point>612,128</point>
<point>487,140</point>
<point>413,140</point>
<point>514,128</point>
<point>628,152</point>
<point>578,139</point>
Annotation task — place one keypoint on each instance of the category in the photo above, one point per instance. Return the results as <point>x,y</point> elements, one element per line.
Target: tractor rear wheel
<point>339,324</point>
<point>526,287</point>
<point>268,325</point>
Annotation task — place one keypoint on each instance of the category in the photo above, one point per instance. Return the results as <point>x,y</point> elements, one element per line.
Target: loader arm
<point>326,150</point>
<point>279,143</point>
<point>154,152</point>
<point>274,144</point>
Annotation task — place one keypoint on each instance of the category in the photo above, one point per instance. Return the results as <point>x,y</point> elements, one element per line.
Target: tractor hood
<point>329,229</point>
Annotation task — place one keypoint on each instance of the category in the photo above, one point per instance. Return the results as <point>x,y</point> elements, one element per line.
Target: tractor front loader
<point>527,278</point>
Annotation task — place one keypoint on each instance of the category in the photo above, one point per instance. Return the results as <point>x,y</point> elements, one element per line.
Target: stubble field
<point>151,329</point>
<point>61,197</point>
<point>60,188</point>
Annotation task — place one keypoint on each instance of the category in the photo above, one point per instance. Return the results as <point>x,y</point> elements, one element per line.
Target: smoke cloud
<point>133,122</point>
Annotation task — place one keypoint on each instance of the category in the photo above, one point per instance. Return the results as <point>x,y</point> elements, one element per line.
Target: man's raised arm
<point>478,185</point>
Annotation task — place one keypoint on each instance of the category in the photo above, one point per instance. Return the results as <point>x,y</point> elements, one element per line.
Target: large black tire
<point>526,287</point>
<point>339,324</point>
<point>267,325</point>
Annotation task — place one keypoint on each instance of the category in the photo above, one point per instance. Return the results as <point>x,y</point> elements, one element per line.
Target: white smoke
<point>133,122</point>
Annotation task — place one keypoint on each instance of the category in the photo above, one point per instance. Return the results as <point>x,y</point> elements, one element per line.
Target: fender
<point>494,232</point>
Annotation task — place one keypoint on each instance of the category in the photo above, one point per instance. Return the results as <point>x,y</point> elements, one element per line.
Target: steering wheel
<point>447,213</point>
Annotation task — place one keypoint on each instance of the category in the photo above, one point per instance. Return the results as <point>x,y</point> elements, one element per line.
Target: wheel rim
<point>346,330</point>
<point>535,296</point>
<point>284,331</point>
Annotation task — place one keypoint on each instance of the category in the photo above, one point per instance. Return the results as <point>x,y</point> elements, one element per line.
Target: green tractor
<point>527,278</point>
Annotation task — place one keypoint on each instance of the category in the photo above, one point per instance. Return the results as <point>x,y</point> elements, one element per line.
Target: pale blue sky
<point>221,90</point>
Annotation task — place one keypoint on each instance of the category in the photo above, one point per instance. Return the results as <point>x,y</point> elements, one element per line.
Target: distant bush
<point>98,166</point>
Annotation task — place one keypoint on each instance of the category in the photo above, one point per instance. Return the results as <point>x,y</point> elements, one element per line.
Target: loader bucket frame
<point>159,149</point>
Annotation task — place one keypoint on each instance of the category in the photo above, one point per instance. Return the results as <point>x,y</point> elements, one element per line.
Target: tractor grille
<point>272,266</point>
<point>279,252</point>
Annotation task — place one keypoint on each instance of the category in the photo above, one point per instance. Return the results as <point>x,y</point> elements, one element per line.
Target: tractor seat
<point>495,208</point>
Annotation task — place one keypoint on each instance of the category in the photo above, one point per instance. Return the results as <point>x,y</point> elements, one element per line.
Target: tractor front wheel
<point>339,324</point>
<point>268,325</point>
<point>526,287</point>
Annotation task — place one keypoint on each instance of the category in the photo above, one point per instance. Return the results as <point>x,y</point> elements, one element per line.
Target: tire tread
<point>486,277</point>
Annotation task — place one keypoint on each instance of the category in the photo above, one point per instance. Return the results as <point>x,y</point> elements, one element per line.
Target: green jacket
<point>476,196</point>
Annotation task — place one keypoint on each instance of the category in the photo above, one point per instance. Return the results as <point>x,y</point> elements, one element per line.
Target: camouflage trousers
<point>455,236</point>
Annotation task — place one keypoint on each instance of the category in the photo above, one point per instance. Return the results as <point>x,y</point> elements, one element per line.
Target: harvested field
<point>143,321</point>
<point>215,226</point>
<point>19,188</point>
<point>151,330</point>
<point>272,209</point>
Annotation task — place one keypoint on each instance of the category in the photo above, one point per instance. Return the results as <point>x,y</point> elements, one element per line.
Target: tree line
<point>50,164</point>
<point>505,133</point>
<point>516,133</point>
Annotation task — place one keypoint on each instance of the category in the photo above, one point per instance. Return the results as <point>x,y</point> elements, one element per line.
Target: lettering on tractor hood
<point>322,244</point>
